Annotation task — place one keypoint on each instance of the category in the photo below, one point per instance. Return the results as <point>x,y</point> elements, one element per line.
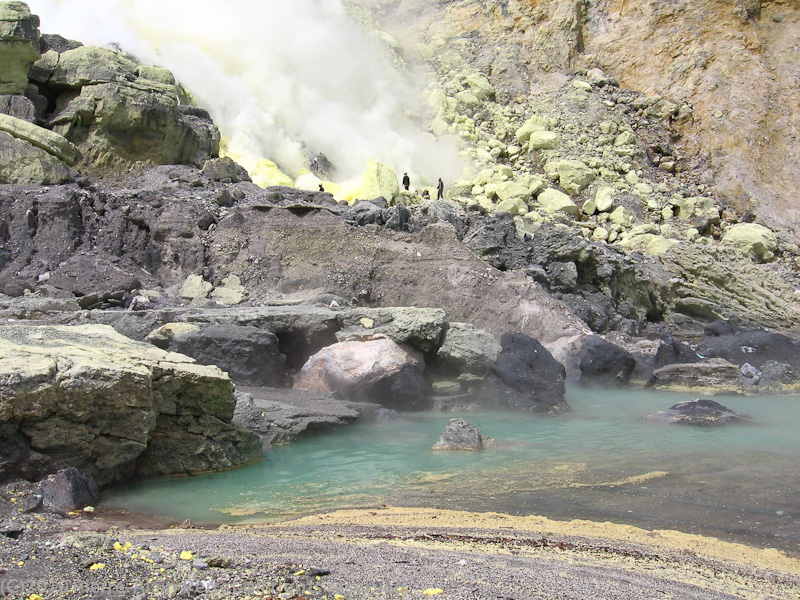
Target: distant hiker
<point>440,190</point>
<point>315,164</point>
<point>406,181</point>
<point>321,189</point>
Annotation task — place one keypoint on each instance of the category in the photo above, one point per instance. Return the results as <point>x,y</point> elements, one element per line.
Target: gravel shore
<point>385,553</point>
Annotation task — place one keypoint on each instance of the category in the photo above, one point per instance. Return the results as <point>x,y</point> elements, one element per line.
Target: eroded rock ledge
<point>89,397</point>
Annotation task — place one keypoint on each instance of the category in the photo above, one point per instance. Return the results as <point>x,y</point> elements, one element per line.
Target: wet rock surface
<point>701,412</point>
<point>459,434</point>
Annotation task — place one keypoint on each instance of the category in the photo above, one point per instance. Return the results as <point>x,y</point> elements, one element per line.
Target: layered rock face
<point>65,104</point>
<point>91,398</point>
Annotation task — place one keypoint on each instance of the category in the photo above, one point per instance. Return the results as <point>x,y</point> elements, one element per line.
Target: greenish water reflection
<point>601,462</point>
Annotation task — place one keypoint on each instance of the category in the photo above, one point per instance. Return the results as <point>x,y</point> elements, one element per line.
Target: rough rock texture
<point>754,346</point>
<point>249,355</point>
<point>25,163</point>
<point>69,489</point>
<point>19,46</point>
<point>603,363</point>
<point>354,369</point>
<point>700,412</point>
<point>525,376</point>
<point>467,348</point>
<point>90,398</point>
<point>459,434</point>
<point>715,376</point>
<point>279,416</point>
<point>420,327</point>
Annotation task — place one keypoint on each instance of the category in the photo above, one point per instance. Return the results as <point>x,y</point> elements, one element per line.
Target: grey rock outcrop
<point>68,489</point>
<point>701,412</point>
<point>603,363</point>
<point>525,376</point>
<point>459,434</point>
<point>714,375</point>
<point>248,354</point>
<point>90,398</point>
<point>279,416</point>
<point>19,46</point>
<point>467,348</point>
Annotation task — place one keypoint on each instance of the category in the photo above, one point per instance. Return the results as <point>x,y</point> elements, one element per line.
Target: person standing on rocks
<point>440,190</point>
<point>406,181</point>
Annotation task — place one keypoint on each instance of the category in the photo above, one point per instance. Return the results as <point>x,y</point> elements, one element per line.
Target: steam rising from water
<point>283,79</point>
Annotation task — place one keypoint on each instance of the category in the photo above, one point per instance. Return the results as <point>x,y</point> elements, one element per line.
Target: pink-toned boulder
<point>356,368</point>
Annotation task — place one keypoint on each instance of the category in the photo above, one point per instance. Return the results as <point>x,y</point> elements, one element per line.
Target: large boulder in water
<point>701,412</point>
<point>462,435</point>
<point>525,376</point>
<point>377,369</point>
<point>91,398</point>
<point>603,363</point>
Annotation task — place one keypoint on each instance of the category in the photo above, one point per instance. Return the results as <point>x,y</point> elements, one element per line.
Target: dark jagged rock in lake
<point>700,412</point>
<point>603,363</point>
<point>525,376</point>
<point>459,434</point>
<point>278,416</point>
<point>670,351</point>
<point>248,354</point>
<point>90,398</point>
<point>69,489</point>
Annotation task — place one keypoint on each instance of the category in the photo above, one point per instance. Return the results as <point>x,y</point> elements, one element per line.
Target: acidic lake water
<point>600,462</point>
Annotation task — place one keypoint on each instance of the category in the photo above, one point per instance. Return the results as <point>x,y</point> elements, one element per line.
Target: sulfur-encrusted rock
<point>379,182</point>
<point>419,327</point>
<point>544,140</point>
<point>19,46</point>
<point>91,398</point>
<point>604,199</point>
<point>533,124</point>
<point>459,434</point>
<point>755,241</point>
<point>47,140</point>
<point>23,163</point>
<point>574,175</point>
<point>554,202</point>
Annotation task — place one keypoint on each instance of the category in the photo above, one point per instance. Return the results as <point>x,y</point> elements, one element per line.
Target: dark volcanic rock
<point>462,435</point>
<point>69,489</point>
<point>524,376</point>
<point>699,412</point>
<point>248,354</point>
<point>403,391</point>
<point>670,351</point>
<point>278,416</point>
<point>754,346</point>
<point>603,363</point>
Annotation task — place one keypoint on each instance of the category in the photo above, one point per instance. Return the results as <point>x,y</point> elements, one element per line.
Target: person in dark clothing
<point>425,195</point>
<point>440,190</point>
<point>406,181</point>
<point>321,189</point>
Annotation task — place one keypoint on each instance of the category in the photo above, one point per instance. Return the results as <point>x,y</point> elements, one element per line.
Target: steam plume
<point>282,79</point>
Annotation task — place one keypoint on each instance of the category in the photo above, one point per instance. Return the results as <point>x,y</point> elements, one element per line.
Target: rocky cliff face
<point>719,76</point>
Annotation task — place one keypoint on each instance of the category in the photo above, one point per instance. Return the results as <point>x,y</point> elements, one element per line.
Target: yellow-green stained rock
<point>604,199</point>
<point>622,216</point>
<point>626,138</point>
<point>512,190</point>
<point>512,206</point>
<point>157,74</point>
<point>574,175</point>
<point>468,98</point>
<point>49,141</point>
<point>19,46</point>
<point>195,287</point>
<point>753,240</point>
<point>379,182</point>
<point>535,123</point>
<point>553,202</point>
<point>25,164</point>
<point>89,65</point>
<point>480,86</point>
<point>163,336</point>
<point>600,234</point>
<point>230,292</point>
<point>544,140</point>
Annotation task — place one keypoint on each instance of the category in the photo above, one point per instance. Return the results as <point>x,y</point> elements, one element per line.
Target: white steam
<point>283,79</point>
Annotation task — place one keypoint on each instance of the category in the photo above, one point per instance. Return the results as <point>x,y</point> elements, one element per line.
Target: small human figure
<point>425,195</point>
<point>321,189</point>
<point>406,181</point>
<point>315,165</point>
<point>440,190</point>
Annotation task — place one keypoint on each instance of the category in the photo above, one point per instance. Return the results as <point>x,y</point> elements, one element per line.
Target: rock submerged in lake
<point>700,412</point>
<point>462,435</point>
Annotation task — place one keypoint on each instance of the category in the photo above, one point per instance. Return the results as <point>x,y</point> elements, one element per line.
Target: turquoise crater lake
<point>600,462</point>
